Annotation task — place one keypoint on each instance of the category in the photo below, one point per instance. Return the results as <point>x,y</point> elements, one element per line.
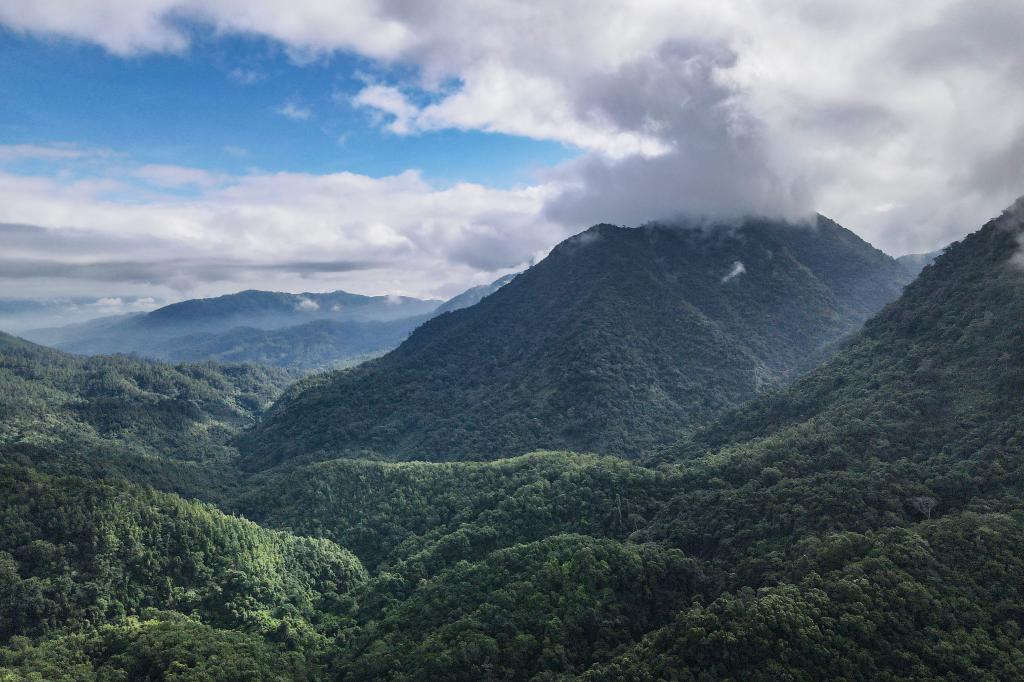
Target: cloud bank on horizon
<point>904,124</point>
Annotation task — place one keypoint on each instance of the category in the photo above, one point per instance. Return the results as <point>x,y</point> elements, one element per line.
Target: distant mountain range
<point>619,341</point>
<point>308,331</point>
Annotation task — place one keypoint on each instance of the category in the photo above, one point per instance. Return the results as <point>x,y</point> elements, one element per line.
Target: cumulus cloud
<point>903,123</point>
<point>390,102</point>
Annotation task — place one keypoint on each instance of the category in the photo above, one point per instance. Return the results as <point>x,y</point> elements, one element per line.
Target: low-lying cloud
<point>283,231</point>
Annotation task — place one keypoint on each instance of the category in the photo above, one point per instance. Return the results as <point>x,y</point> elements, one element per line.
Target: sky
<point>155,150</point>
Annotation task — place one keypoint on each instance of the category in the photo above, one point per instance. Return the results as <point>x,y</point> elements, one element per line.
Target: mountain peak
<point>619,341</point>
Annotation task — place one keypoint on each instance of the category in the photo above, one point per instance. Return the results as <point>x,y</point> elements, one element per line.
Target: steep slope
<point>616,342</point>
<point>929,370</point>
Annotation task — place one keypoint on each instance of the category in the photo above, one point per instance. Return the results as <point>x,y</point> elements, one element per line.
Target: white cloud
<point>117,305</point>
<point>286,231</point>
<point>902,122</point>
<point>294,111</point>
<point>389,101</point>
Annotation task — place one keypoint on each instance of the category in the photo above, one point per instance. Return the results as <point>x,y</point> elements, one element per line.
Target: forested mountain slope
<point>618,341</point>
<point>76,553</point>
<point>312,346</point>
<point>143,420</point>
<point>853,527</point>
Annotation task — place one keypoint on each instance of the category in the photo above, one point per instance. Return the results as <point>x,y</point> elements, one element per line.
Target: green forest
<point>859,520</point>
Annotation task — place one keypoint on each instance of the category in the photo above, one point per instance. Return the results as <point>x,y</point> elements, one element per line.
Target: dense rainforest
<point>860,521</point>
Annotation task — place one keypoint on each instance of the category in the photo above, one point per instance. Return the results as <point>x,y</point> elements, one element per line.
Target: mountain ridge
<point>303,332</point>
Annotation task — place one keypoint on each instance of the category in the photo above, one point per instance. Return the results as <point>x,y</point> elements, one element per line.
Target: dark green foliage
<point>187,412</point>
<point>940,601</point>
<point>618,341</point>
<point>551,606</point>
<point>425,515</point>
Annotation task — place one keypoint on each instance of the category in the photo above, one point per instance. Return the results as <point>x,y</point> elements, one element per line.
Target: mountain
<point>875,492</point>
<point>302,332</point>
<point>864,523</point>
<point>618,341</point>
<point>312,346</point>
<point>272,310</point>
<point>240,326</point>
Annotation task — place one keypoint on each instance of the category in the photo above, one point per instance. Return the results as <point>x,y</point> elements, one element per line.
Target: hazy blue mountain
<point>255,309</point>
<point>298,331</point>
<point>304,332</point>
<point>618,341</point>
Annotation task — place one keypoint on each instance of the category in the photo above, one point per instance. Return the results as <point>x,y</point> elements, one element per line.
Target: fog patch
<point>306,305</point>
<point>737,269</point>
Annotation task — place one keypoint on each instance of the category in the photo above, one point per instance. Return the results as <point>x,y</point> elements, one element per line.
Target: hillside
<point>156,334</point>
<point>75,553</point>
<point>311,346</point>
<point>169,426</point>
<point>619,341</point>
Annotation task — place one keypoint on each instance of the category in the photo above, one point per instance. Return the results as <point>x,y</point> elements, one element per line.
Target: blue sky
<point>219,107</point>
